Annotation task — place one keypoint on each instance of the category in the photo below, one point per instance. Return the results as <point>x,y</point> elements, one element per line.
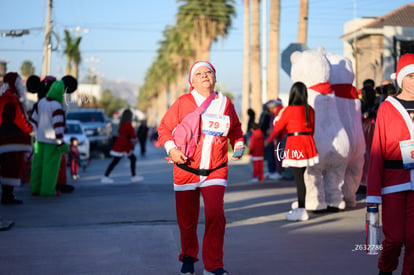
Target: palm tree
<point>273,69</point>
<point>208,19</point>
<point>246,63</point>
<point>73,56</point>
<point>303,21</point>
<point>256,95</point>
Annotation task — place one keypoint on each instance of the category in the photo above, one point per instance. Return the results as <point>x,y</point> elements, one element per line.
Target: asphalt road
<point>127,228</point>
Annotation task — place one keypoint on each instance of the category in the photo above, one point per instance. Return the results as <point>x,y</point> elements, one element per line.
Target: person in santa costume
<point>390,180</point>
<point>124,147</point>
<point>298,120</point>
<point>49,120</point>
<point>15,139</point>
<point>256,150</point>
<point>206,172</point>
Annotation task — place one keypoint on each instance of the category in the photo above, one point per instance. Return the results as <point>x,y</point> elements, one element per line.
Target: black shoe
<point>6,225</point>
<point>188,265</point>
<point>217,271</point>
<point>320,211</point>
<point>65,188</point>
<point>333,209</point>
<point>11,201</point>
<point>385,273</point>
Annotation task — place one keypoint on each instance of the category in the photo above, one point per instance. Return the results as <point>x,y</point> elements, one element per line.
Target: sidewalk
<point>129,228</point>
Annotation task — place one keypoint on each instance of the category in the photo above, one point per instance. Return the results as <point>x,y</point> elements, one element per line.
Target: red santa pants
<point>398,227</point>
<point>258,171</point>
<point>188,208</point>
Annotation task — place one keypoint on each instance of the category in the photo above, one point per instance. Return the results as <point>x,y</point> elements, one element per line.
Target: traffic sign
<point>286,64</point>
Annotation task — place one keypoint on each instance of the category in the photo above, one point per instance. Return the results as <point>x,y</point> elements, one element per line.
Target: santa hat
<point>405,67</point>
<point>10,80</point>
<point>194,68</point>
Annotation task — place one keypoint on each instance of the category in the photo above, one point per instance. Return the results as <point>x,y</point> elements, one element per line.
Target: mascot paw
<point>63,148</point>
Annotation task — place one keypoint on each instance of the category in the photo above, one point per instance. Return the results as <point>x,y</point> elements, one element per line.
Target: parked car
<point>75,129</point>
<point>97,126</point>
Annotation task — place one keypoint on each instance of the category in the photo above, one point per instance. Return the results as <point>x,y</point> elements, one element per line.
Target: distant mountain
<point>123,89</point>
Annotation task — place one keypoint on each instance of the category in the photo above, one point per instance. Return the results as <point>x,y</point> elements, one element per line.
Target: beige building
<point>375,44</point>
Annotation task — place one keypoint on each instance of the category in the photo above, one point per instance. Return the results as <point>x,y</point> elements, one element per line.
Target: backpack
<point>187,132</point>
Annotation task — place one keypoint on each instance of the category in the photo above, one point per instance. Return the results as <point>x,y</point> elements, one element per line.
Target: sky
<point>120,38</point>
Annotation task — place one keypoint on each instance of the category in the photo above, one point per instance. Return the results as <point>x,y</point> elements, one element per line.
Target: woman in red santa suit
<point>124,147</point>
<point>206,172</point>
<point>15,139</point>
<point>390,180</point>
<point>298,120</point>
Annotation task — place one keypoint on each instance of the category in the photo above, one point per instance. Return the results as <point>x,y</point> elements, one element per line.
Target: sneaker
<point>298,214</point>
<point>74,177</point>
<point>253,180</point>
<point>218,271</point>
<point>275,176</point>
<point>294,205</point>
<point>107,180</point>
<point>137,178</point>
<point>188,266</point>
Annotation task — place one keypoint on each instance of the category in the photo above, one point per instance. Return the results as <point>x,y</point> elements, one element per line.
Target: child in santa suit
<point>390,180</point>
<point>256,150</point>
<point>15,139</point>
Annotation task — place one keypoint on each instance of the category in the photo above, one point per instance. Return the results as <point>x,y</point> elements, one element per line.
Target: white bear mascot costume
<point>349,109</point>
<point>324,181</point>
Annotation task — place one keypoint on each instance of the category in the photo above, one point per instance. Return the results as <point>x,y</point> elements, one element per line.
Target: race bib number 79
<point>215,125</point>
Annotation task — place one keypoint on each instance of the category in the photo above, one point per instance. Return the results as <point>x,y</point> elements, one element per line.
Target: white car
<point>75,129</point>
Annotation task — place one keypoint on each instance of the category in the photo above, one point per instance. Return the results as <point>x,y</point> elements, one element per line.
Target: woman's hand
<point>238,157</point>
<point>177,156</point>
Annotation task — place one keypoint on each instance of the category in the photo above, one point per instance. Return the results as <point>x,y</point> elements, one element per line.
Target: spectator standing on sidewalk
<point>124,147</point>
<point>390,173</point>
<point>206,173</point>
<point>74,158</point>
<point>15,139</point>
<point>142,134</point>
<point>298,120</point>
<point>270,110</point>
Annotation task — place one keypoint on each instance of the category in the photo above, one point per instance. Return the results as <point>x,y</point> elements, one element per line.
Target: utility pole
<point>47,46</point>
<point>303,21</point>
<point>264,51</point>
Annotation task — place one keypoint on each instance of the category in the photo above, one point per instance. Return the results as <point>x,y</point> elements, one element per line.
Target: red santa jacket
<point>300,149</point>
<point>15,127</point>
<point>393,125</point>
<point>219,124</point>
<point>124,144</point>
<point>256,146</point>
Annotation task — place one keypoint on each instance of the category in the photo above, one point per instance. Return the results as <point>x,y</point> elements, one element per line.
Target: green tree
<point>207,20</point>
<point>110,103</point>
<point>27,69</point>
<point>73,55</point>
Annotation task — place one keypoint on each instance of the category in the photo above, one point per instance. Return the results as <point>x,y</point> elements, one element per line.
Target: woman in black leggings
<point>124,147</point>
<point>298,121</point>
